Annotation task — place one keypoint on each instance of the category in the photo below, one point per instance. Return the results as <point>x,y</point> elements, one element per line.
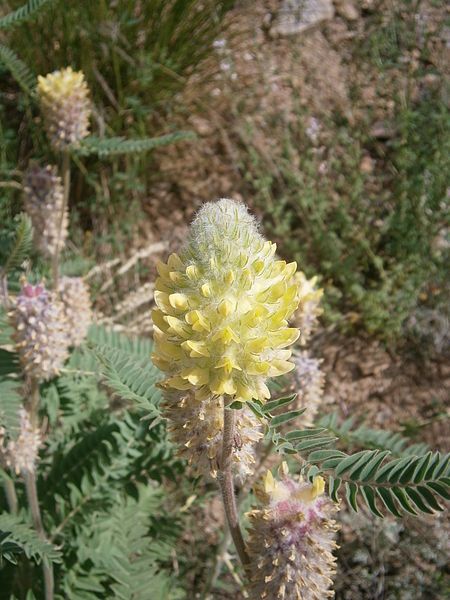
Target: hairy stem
<point>32,495</point>
<point>66,185</point>
<point>227,485</point>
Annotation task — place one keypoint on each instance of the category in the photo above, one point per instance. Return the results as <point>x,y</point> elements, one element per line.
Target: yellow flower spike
<point>225,301</point>
<point>64,100</point>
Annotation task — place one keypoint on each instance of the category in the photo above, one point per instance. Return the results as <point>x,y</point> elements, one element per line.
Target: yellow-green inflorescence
<point>223,305</point>
<point>66,107</point>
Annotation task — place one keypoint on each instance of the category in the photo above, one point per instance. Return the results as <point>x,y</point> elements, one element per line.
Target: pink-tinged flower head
<point>40,332</point>
<point>291,540</point>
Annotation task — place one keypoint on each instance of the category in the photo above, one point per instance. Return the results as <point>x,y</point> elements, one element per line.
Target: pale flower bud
<point>306,316</point>
<point>65,105</point>
<point>21,454</point>
<point>40,332</point>
<point>221,326</point>
<point>197,428</point>
<point>44,196</point>
<point>310,381</point>
<point>76,302</point>
<point>291,541</point>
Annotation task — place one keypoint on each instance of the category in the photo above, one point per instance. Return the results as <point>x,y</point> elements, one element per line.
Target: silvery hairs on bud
<point>44,197</point>
<point>40,332</point>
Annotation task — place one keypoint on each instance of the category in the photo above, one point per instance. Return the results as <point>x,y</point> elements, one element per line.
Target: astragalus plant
<point>222,331</point>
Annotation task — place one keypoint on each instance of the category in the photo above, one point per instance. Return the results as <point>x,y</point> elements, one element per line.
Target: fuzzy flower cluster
<point>291,541</point>
<point>65,105</point>
<point>76,302</point>
<point>44,196</point>
<point>221,326</point>
<point>21,454</point>
<point>310,381</point>
<point>196,426</point>
<point>305,317</point>
<point>40,332</point>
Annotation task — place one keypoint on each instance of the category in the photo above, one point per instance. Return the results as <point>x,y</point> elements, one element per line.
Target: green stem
<point>32,495</point>
<point>11,496</point>
<point>66,186</point>
<point>227,484</point>
<point>33,502</point>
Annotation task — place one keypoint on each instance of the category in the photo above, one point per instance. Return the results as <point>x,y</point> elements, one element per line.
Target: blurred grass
<point>136,57</point>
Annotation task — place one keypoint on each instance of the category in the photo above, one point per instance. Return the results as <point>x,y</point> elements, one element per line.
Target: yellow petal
<point>158,320</point>
<point>195,349</point>
<point>226,307</point>
<point>178,326</point>
<point>206,290</point>
<point>257,345</point>
<point>225,335</point>
<point>284,338</point>
<point>192,272</point>
<point>178,301</point>
<point>196,376</point>
<point>280,367</point>
<point>178,383</point>
<point>175,263</point>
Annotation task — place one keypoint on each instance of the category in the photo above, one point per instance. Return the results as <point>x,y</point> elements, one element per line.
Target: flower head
<point>76,302</point>
<point>291,540</point>
<point>40,332</point>
<point>21,454</point>
<point>64,98</point>
<point>196,426</point>
<point>221,326</point>
<point>43,203</point>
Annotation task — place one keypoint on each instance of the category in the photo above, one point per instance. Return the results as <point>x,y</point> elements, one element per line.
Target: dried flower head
<point>64,99</point>
<point>43,203</point>
<point>76,301</point>
<point>40,332</point>
<point>221,326</point>
<point>310,381</point>
<point>305,317</point>
<point>291,540</point>
<point>21,454</point>
<point>197,427</point>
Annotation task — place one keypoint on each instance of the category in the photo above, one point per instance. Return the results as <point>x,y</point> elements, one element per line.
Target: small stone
<point>347,10</point>
<point>298,16</point>
<point>366,165</point>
